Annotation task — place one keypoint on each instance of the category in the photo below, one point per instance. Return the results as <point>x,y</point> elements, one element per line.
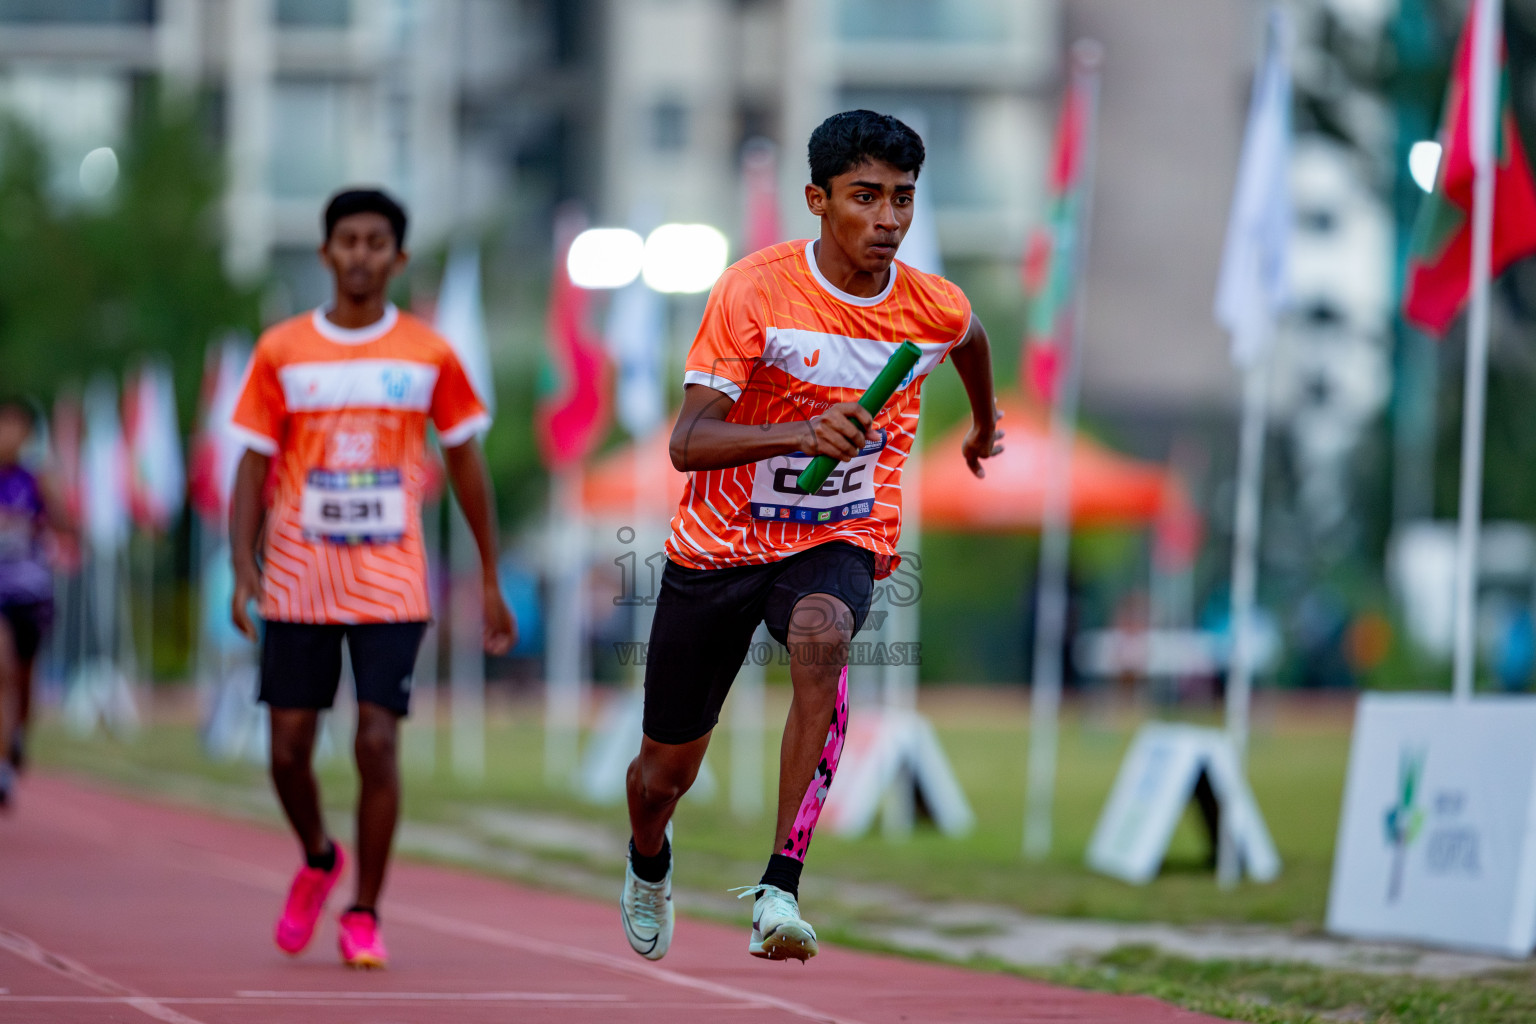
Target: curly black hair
<point>365,200</point>
<point>844,141</point>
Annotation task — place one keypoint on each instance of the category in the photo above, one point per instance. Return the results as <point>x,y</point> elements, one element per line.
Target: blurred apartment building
<point>478,109</point>
<point>306,95</point>
<point>484,114</point>
<point>688,82</point>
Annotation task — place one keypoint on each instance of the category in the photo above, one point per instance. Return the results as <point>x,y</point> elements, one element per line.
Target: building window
<point>314,13</point>
<point>85,12</point>
<point>949,177</point>
<point>971,21</point>
<point>669,126</point>
<point>309,133</point>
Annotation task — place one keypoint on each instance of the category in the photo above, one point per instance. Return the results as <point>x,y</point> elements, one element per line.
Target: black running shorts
<point>704,624</point>
<point>28,622</point>
<point>301,663</point>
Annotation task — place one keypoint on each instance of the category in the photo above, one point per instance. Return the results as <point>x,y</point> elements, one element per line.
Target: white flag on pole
<point>1254,284</point>
<point>920,247</point>
<point>636,323</point>
<point>221,444</point>
<point>103,476</point>
<point>461,319</point>
<point>159,474</point>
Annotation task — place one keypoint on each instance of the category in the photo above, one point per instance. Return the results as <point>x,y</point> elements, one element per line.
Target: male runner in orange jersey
<point>791,337</point>
<point>339,398</point>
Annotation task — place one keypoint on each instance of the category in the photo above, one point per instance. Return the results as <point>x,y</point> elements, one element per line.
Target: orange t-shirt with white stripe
<point>343,413</point>
<point>784,344</point>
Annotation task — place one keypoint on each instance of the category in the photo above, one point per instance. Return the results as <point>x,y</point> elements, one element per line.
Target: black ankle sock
<point>358,908</point>
<point>783,872</point>
<point>322,861</point>
<point>650,869</point>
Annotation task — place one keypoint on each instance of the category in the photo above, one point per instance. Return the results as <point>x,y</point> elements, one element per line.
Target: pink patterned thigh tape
<point>821,783</point>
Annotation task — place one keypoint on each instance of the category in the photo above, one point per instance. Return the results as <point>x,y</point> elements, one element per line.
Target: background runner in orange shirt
<point>791,337</point>
<point>335,408</point>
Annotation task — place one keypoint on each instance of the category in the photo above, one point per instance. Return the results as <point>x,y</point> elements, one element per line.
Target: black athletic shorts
<point>704,624</point>
<point>28,621</point>
<point>301,663</point>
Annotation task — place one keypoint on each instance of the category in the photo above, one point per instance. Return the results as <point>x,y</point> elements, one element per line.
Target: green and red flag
<point>1050,260</point>
<point>571,411</point>
<point>1440,256</point>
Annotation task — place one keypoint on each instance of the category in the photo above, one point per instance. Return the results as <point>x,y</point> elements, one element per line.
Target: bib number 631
<point>355,507</point>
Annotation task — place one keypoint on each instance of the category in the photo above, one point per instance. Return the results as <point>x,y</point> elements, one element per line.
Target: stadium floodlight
<point>683,258</point>
<point>605,258</point>
<point>98,171</point>
<point>1424,163</point>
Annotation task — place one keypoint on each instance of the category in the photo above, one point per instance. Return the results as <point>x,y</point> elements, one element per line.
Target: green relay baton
<point>896,369</point>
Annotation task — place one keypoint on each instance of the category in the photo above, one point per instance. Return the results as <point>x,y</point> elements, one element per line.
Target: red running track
<point>115,909</point>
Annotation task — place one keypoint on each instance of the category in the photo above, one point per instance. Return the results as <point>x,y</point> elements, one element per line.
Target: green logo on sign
<point>1404,819</point>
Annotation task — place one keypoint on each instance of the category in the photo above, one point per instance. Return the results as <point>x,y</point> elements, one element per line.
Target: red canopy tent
<point>610,486</point>
<point>1108,489</point>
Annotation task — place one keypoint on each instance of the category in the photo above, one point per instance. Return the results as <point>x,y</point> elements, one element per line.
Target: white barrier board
<point>888,747</point>
<point>1155,784</point>
<point>1437,835</point>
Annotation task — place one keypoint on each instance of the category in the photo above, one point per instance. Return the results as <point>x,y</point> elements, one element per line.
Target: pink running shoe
<point>306,900</point>
<point>361,944</point>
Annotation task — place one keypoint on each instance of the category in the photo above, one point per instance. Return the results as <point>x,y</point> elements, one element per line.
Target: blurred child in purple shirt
<point>26,582</point>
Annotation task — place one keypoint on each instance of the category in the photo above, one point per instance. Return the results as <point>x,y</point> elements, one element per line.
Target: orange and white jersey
<point>784,344</point>
<point>343,413</point>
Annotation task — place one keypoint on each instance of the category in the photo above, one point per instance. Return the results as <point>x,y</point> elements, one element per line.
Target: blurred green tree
<point>97,284</point>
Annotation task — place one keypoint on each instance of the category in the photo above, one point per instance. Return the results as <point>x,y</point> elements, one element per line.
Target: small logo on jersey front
<point>784,513</point>
<point>766,510</point>
<point>396,384</point>
<point>824,515</point>
<point>815,357</point>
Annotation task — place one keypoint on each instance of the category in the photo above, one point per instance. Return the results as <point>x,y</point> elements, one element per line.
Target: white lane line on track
<point>500,997</point>
<point>621,1006</point>
<point>27,949</point>
<point>237,870</point>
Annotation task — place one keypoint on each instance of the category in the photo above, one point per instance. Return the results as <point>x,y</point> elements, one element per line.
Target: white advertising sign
<point>1437,835</point>
<point>887,747</point>
<point>1156,782</point>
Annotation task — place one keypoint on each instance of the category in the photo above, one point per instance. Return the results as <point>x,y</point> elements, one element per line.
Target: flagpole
<point>1485,48</point>
<point>566,633</point>
<point>466,656</point>
<point>1055,532</point>
<point>1245,575</point>
<point>1250,293</point>
<point>1245,550</point>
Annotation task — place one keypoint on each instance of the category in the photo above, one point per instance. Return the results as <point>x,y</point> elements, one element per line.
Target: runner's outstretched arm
<point>472,485</point>
<point>973,361</point>
<point>245,515</point>
<point>702,439</point>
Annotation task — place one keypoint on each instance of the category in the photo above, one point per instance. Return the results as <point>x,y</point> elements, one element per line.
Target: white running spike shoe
<point>778,931</point>
<point>646,908</point>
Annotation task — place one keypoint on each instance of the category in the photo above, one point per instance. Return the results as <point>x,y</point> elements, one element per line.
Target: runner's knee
<point>660,784</point>
<point>290,756</point>
<point>375,749</point>
<point>820,630</point>
<point>820,618</point>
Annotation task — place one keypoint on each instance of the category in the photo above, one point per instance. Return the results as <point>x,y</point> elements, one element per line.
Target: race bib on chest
<point>356,506</point>
<point>849,491</point>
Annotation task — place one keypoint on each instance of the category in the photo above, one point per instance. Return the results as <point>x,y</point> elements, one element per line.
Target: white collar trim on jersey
<point>840,295</point>
<point>357,335</point>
